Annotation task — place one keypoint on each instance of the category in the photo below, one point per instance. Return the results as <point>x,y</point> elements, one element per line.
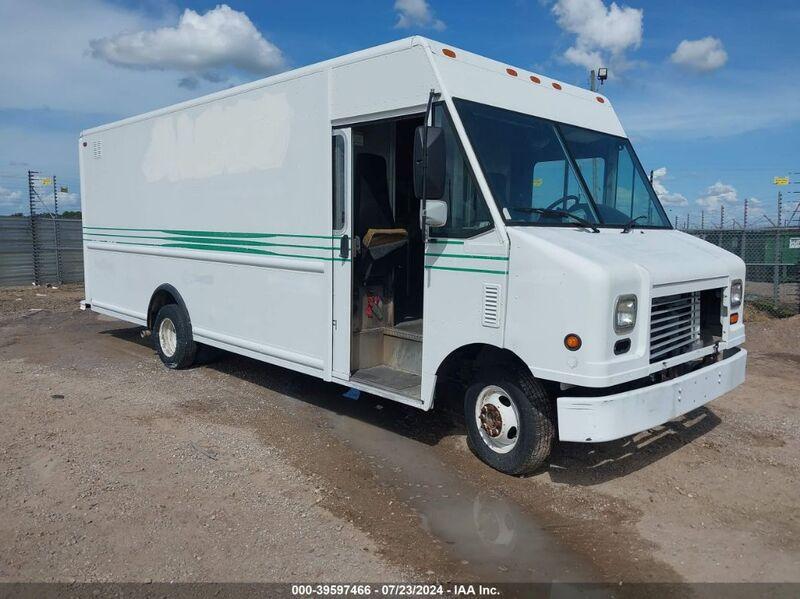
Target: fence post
<point>33,222</point>
<point>744,233</point>
<point>776,269</point>
<point>56,240</point>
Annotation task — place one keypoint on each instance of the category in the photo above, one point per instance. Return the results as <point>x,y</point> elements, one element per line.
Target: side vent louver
<point>491,306</point>
<point>97,149</point>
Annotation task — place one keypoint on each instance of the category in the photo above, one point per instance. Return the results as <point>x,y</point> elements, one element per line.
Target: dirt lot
<point>114,468</point>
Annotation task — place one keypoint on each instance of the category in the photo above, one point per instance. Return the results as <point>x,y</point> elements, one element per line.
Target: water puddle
<point>499,540</point>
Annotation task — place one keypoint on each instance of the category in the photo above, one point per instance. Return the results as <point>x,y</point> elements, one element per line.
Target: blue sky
<point>708,90</point>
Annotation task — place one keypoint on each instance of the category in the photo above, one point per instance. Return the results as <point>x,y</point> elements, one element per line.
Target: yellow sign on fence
<point>781,180</point>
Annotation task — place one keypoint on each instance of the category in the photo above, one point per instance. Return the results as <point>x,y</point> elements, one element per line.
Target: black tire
<point>185,349</point>
<point>536,431</point>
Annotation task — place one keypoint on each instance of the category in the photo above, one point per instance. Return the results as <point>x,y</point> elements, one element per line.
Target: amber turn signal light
<point>572,342</point>
<point>734,318</point>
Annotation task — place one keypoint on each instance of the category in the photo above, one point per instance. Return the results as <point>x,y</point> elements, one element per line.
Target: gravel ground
<point>114,468</point>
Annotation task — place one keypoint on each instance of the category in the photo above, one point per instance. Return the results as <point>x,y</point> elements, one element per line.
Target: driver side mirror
<point>436,213</point>
<point>435,172</point>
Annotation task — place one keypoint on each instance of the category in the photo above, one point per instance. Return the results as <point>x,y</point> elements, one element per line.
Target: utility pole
<point>721,216</point>
<point>702,219</point>
<point>601,74</point>
<point>593,87</point>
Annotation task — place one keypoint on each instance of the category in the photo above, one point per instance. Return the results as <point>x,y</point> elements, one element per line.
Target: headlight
<point>736,293</point>
<point>625,313</point>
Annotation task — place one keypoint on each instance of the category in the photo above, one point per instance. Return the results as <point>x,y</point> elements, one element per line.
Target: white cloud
<point>718,194</point>
<point>603,33</point>
<point>220,38</point>
<point>584,58</point>
<point>416,13</point>
<point>81,83</point>
<point>66,201</point>
<point>667,197</point>
<point>10,201</point>
<point>15,200</point>
<point>61,78</point>
<point>703,55</point>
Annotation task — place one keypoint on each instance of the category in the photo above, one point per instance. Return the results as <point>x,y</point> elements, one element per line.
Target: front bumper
<point>609,417</point>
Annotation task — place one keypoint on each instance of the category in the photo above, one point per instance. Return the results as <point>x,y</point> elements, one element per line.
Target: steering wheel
<point>563,201</point>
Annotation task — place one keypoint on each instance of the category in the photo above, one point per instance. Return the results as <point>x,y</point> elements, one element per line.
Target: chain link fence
<point>40,250</point>
<point>772,256</point>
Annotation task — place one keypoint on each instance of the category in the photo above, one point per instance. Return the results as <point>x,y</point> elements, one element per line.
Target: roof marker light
<point>601,100</point>
<point>448,52</point>
<point>511,72</point>
<point>556,85</point>
<point>535,79</point>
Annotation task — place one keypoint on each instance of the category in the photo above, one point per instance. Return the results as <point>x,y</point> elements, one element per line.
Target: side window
<point>632,198</point>
<point>468,214</point>
<point>338,191</point>
<point>625,182</point>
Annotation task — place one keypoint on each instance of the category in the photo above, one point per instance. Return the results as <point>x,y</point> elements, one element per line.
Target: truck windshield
<point>539,170</point>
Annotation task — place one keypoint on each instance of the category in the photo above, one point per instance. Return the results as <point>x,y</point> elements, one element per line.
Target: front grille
<point>674,325</point>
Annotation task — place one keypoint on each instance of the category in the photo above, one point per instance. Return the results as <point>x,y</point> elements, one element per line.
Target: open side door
<point>342,252</point>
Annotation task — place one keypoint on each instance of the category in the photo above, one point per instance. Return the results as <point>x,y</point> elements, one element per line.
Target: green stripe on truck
<point>458,269</point>
<point>220,248</point>
<point>212,233</point>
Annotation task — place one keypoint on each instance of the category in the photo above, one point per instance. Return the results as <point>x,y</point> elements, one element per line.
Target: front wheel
<point>509,417</point>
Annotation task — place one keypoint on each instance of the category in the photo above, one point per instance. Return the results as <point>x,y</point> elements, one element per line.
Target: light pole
<point>594,76</point>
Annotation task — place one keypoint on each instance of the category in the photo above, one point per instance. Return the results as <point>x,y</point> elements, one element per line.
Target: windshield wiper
<point>632,223</point>
<point>562,213</point>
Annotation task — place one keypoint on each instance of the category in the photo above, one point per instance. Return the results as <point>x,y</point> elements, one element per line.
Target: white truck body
<point>227,200</point>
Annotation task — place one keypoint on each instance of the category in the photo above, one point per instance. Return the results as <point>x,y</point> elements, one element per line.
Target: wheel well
<point>165,294</point>
<point>459,368</point>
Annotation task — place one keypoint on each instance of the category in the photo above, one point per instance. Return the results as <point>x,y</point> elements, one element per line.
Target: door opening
<point>388,258</point>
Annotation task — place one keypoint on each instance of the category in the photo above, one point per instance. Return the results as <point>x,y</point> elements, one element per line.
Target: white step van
<point>417,222</point>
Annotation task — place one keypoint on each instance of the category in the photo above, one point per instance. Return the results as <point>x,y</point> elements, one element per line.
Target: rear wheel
<point>509,418</point>
<point>172,336</point>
